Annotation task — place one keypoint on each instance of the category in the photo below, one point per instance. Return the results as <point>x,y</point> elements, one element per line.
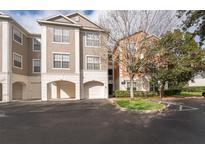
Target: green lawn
<point>183,93</point>
<point>140,104</point>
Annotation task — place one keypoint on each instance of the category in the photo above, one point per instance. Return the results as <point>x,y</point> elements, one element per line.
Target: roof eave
<point>57,23</point>
<point>94,29</point>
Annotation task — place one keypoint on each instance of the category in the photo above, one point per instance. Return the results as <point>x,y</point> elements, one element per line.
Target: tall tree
<point>194,21</point>
<point>122,24</point>
<point>177,58</point>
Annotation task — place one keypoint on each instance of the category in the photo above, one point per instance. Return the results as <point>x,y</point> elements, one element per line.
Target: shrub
<point>125,93</point>
<point>194,89</point>
<point>121,93</point>
<point>171,92</point>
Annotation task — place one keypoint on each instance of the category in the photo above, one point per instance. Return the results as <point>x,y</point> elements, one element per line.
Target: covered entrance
<point>18,90</point>
<point>61,90</point>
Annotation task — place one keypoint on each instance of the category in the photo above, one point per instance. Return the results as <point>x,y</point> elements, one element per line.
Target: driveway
<point>98,121</point>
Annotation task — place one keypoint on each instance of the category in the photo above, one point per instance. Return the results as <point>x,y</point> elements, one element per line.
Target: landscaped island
<point>140,104</point>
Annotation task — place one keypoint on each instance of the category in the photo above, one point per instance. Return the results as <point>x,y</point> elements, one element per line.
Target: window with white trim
<point>131,46</point>
<point>61,60</point>
<point>134,85</point>
<point>36,65</point>
<point>36,44</point>
<point>61,35</point>
<point>92,39</point>
<point>93,63</point>
<point>17,36</point>
<point>17,60</point>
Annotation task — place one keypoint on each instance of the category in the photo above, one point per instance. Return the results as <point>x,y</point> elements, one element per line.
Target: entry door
<point>110,89</point>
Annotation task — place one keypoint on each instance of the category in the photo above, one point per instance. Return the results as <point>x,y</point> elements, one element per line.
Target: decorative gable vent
<point>77,19</point>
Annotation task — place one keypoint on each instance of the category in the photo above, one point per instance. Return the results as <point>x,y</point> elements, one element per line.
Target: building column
<point>77,51</point>
<point>6,62</point>
<point>44,88</point>
<point>6,91</point>
<point>106,86</point>
<point>81,85</point>
<point>44,91</point>
<point>54,91</point>
<point>77,90</point>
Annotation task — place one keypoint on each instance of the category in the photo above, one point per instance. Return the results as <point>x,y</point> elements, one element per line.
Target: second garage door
<point>94,90</point>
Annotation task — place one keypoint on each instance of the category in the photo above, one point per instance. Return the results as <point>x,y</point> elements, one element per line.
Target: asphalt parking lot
<point>99,121</point>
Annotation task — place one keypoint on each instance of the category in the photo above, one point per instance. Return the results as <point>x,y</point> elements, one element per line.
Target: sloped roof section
<point>83,20</point>
<point>3,15</point>
<point>60,18</point>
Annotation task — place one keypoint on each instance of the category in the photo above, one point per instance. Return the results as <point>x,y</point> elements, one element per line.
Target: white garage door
<point>35,90</point>
<point>94,90</point>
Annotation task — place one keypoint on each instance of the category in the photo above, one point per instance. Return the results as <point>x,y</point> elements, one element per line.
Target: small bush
<point>194,89</point>
<point>171,92</point>
<point>125,93</point>
<point>121,93</point>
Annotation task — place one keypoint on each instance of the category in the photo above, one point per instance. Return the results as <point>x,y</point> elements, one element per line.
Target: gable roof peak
<point>83,16</point>
<point>60,15</point>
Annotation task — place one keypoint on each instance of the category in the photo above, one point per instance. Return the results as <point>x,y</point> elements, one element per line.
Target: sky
<point>28,18</point>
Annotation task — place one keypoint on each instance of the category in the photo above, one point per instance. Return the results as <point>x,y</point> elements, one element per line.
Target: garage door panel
<point>35,90</point>
<point>94,90</point>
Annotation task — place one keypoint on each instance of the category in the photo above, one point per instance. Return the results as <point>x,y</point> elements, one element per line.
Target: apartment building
<point>66,61</point>
<point>121,76</point>
<point>19,61</point>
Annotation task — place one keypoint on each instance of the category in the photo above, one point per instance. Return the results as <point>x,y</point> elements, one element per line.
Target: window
<point>77,18</point>
<point>131,46</point>
<point>36,65</point>
<point>61,35</point>
<point>36,44</point>
<point>110,74</point>
<point>134,85</point>
<point>93,63</point>
<point>92,39</point>
<point>61,60</point>
<point>17,36</point>
<point>17,60</point>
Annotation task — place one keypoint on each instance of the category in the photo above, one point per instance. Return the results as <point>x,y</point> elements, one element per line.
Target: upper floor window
<point>110,74</point>
<point>36,65</point>
<point>131,46</point>
<point>17,36</point>
<point>36,44</point>
<point>93,63</point>
<point>61,35</point>
<point>17,60</point>
<point>61,60</point>
<point>92,39</point>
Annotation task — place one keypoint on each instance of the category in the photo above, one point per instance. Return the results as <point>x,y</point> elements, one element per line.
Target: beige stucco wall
<point>23,51</point>
<point>32,55</point>
<point>0,46</point>
<point>60,47</point>
<point>98,51</point>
